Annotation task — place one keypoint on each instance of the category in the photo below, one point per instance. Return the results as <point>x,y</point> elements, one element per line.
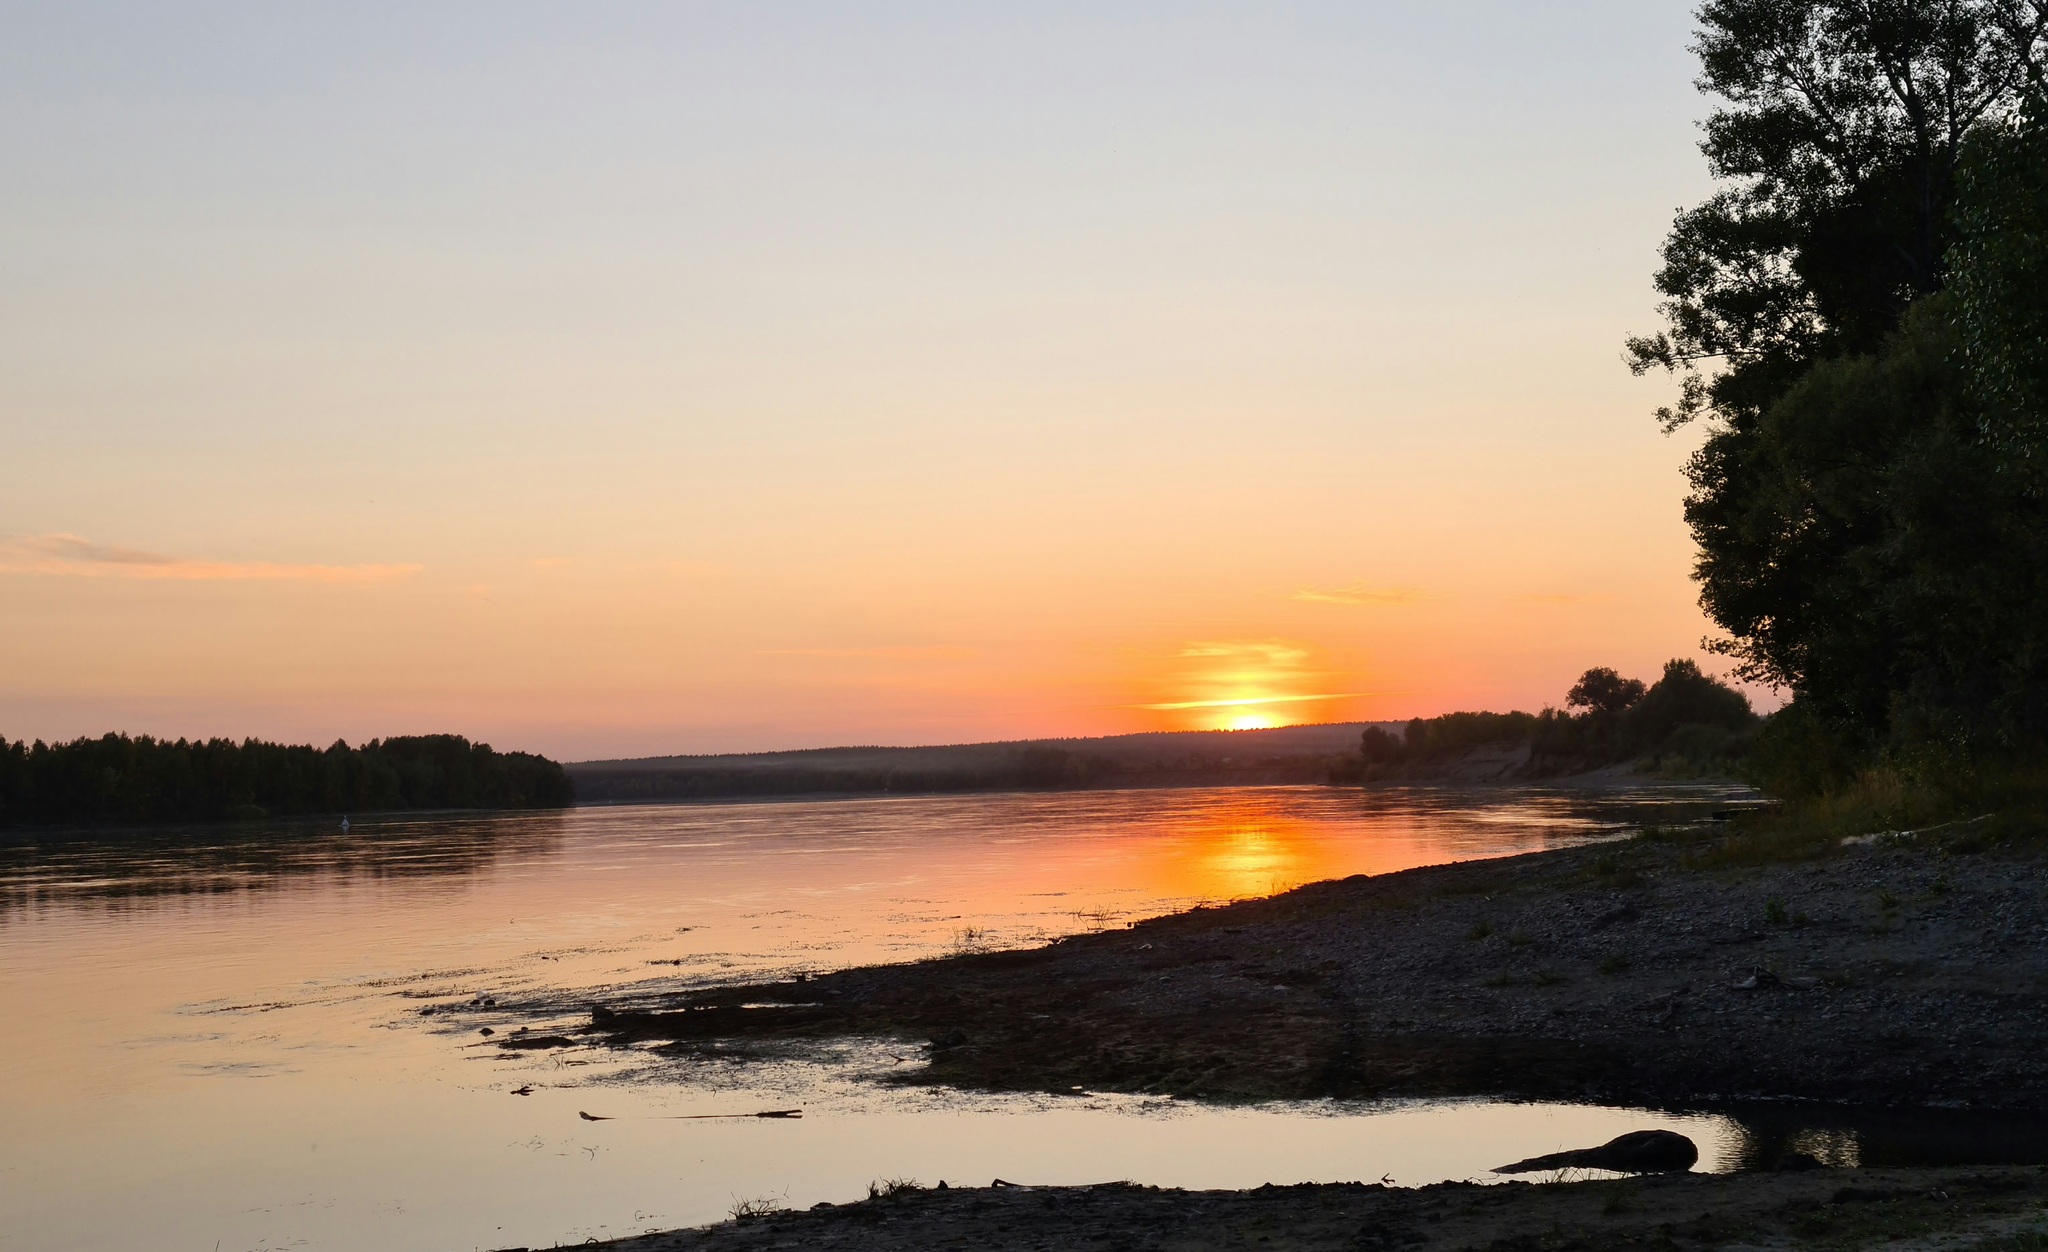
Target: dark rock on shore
<point>1638,1152</point>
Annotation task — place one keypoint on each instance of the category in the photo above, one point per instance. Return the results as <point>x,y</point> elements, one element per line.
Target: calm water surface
<point>215,1036</point>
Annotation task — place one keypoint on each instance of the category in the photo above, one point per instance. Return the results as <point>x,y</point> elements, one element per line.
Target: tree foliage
<point>1684,696</point>
<point>1377,745</point>
<point>116,778</point>
<point>1870,535</point>
<point>1601,690</point>
<point>1685,712</point>
<point>1863,547</point>
<point>1838,143</point>
<point>2001,283</point>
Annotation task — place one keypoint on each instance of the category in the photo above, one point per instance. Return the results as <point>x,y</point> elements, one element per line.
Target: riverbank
<point>1750,960</point>
<point>1673,968</point>
<point>1997,1210</point>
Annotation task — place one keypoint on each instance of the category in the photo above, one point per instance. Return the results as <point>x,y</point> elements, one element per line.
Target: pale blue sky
<point>1040,333</point>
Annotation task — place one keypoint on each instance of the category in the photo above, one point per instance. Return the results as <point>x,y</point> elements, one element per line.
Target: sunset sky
<point>620,379</point>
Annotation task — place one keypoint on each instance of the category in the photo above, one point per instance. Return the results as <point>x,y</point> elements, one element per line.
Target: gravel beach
<point>1900,1210</point>
<point>1684,968</point>
<point>1901,971</point>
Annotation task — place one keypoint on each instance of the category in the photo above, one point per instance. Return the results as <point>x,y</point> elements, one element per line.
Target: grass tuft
<point>759,1206</point>
<point>1955,813</point>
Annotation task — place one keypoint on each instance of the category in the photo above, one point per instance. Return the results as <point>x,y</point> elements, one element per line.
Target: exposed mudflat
<point>1904,1210</point>
<point>1663,969</point>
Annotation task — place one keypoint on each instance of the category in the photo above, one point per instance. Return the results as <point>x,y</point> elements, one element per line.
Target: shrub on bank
<point>1686,723</point>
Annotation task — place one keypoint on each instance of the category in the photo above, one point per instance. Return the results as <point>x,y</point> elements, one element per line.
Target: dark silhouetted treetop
<point>1686,716</point>
<point>116,778</point>
<point>1684,696</point>
<point>1378,745</point>
<point>1454,734</point>
<point>1838,143</point>
<point>1604,691</point>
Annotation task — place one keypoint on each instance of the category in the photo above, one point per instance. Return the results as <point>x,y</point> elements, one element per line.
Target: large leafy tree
<point>1601,690</point>
<point>1838,141</point>
<point>1878,556</point>
<point>1850,513</point>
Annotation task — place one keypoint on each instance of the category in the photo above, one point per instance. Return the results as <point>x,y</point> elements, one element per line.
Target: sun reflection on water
<point>203,999</point>
<point>1251,861</point>
<point>1255,847</point>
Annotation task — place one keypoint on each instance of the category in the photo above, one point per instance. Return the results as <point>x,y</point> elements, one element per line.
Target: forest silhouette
<point>119,779</point>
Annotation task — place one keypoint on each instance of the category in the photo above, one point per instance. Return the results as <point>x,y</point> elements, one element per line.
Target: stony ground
<point>1672,968</point>
<point>1903,1210</point>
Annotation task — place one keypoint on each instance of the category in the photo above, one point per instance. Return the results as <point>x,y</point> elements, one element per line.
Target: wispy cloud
<point>932,653</point>
<point>1356,593</point>
<point>1269,651</point>
<point>1246,684</point>
<point>1249,701</point>
<point>1563,598</point>
<point>76,557</point>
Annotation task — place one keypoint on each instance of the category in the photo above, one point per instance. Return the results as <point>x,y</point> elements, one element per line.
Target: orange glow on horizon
<point>746,440</point>
<point>1248,685</point>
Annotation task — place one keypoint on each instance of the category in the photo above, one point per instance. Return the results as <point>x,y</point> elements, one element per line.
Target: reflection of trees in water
<point>110,869</point>
<point>1768,1135</point>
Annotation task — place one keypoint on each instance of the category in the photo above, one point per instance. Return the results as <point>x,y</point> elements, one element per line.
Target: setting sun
<point>655,624</point>
<point>1250,684</point>
<point>1251,721</point>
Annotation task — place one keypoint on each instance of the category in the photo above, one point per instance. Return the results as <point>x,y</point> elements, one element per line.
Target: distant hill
<point>1685,724</point>
<point>1286,754</point>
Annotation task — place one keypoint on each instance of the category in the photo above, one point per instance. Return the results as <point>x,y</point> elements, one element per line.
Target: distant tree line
<point>116,778</point>
<point>1687,721</point>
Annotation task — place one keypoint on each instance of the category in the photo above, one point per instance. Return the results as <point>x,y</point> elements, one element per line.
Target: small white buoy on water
<point>344,823</point>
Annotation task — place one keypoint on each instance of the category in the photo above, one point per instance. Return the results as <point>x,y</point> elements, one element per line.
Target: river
<point>215,1036</point>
